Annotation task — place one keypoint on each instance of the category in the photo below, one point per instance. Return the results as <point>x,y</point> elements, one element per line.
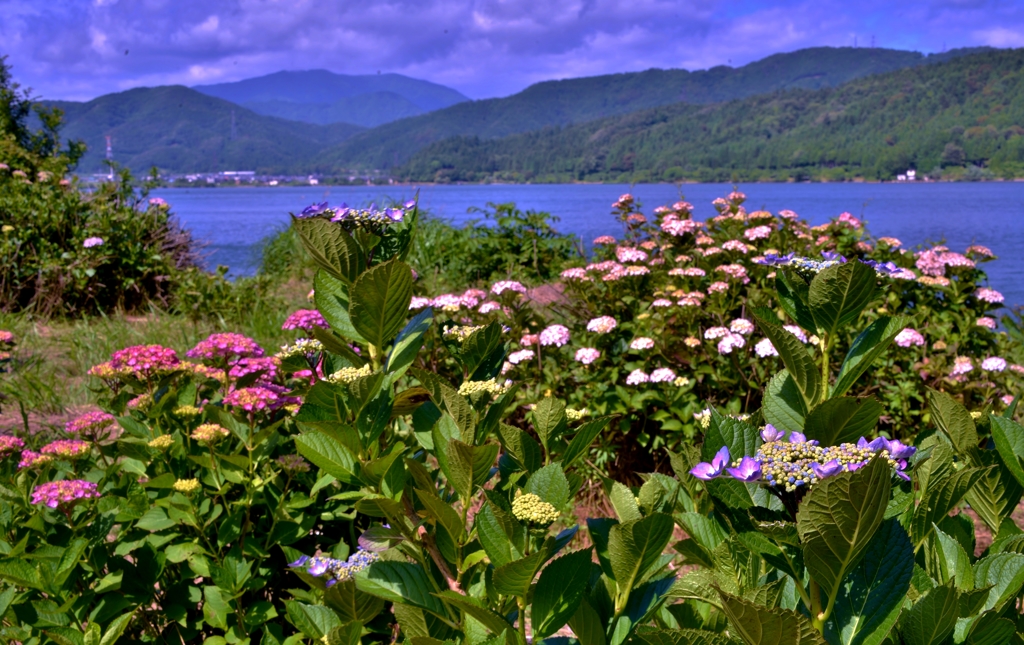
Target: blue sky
<point>79,49</point>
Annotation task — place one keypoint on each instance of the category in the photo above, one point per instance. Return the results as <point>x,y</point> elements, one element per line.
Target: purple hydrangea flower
<point>90,242</point>
<point>827,469</point>
<point>313,210</point>
<point>771,434</point>
<point>707,471</point>
<point>748,470</point>
<point>774,259</point>
<point>832,255</point>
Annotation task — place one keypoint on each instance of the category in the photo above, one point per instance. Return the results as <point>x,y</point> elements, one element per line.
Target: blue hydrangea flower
<point>707,471</point>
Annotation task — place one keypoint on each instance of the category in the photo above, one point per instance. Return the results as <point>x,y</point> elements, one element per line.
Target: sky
<point>80,49</point>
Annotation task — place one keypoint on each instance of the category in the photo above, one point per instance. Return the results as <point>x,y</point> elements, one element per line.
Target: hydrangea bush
<point>662,321</point>
<point>387,477</point>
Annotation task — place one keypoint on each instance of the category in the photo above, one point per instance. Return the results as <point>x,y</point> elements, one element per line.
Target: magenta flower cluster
<point>258,399</point>
<point>91,424</point>
<point>10,444</point>
<point>66,448</point>
<point>144,360</point>
<point>306,320</point>
<point>225,346</point>
<point>66,490</point>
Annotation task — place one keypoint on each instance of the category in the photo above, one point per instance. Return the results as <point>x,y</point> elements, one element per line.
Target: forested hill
<point>961,116</point>
<point>181,130</point>
<point>560,103</point>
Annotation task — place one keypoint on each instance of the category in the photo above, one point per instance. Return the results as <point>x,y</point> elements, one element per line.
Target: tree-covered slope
<point>178,129</point>
<point>969,110</point>
<point>367,110</point>
<point>560,103</point>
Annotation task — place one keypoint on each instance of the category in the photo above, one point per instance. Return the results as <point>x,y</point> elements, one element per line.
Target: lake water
<point>233,221</point>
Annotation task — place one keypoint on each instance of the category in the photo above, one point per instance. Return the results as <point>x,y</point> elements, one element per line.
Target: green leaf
<point>559,590</point>
<point>783,405</point>
<point>839,294</point>
<point>705,531</point>
<point>400,582</point>
<point>954,420</point>
<point>522,447</point>
<point>351,604</point>
<point>65,635</point>
<point>460,468</point>
<point>838,518</point>
<point>842,420</point>
<point>990,629</point>
<point>954,563</point>
<point>331,247</point>
<point>476,608</point>
<point>549,420</point>
<point>116,629</point>
<point>331,298</point>
<point>762,626</point>
<point>793,293</point>
<point>872,595</point>
<point>931,619</point>
<point>315,621</point>
<point>515,578</point>
<point>498,533</point>
<point>580,443</point>
<point>380,301</point>
<point>798,361</point>
<point>653,636</point>
<point>996,494</point>
<point>1005,573</point>
<point>330,455</point>
<point>624,503</point>
<point>739,436</point>
<point>635,547</point>
<point>409,342</point>
<point>347,634</point>
<point>946,487</point>
<point>549,484</point>
<point>587,625</point>
<point>1009,440</point>
<point>868,346</point>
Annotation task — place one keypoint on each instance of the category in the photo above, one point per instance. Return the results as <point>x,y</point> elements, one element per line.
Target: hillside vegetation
<point>964,116</point>
<point>320,96</point>
<point>178,129</point>
<point>565,102</point>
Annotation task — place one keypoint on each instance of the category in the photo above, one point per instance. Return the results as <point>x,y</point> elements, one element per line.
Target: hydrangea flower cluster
<point>908,337</point>
<point>10,444</point>
<point>163,442</point>
<point>587,355</point>
<point>187,486</point>
<point>602,324</point>
<point>91,424</point>
<point>210,433</point>
<point>507,285</point>
<point>305,319</point>
<point>252,399</point>
<point>796,463</point>
<point>265,366</point>
<point>66,490</point>
<point>305,347</point>
<point>490,385</point>
<point>556,335</point>
<point>293,464</point>
<point>520,356</point>
<point>224,346</point>
<point>532,509</point>
<point>143,360</point>
<point>349,374</point>
<point>33,459</point>
<point>336,570</point>
<point>66,448</point>
<point>461,333</point>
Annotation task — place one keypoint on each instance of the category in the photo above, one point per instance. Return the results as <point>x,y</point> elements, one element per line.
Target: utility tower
<point>110,159</point>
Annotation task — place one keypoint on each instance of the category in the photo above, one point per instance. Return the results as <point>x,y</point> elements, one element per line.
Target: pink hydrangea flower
<point>849,220</point>
<point>226,345</point>
<point>419,302</point>
<point>253,399</point>
<point>528,340</point>
<point>986,322</point>
<point>733,245</point>
<point>10,444</point>
<point>6,337</point>
<point>764,348</point>
<point>642,343</point>
<point>1007,399</point>
<point>930,263</point>
<point>796,331</point>
<point>713,333</point>
<point>687,301</point>
<point>604,239</point>
<point>636,377</point>
<point>488,307</point>
<point>602,324</point>
<point>1019,369</point>
<point>556,335</point>
<point>730,342</point>
<point>144,360</point>
<point>64,491</point>
<point>635,269</point>
<point>734,271</point>
<point>977,249</point>
<point>33,459</point>
<point>716,287</point>
<point>575,273</point>
<point>993,364</point>
<point>522,355</point>
<point>741,326</point>
<point>662,302</point>
<point>472,297</point>
<point>989,295</point>
<point>268,365</point>
<point>663,375</point>
<point>306,320</point>
<point>629,254</point>
<point>448,302</point>
<point>908,337</point>
<point>891,242</point>
<point>787,214</point>
<point>587,355</point>
<point>90,424</point>
<point>507,285</point>
<point>961,365</point>
<point>758,233</point>
<point>66,448</point>
<point>90,242</point>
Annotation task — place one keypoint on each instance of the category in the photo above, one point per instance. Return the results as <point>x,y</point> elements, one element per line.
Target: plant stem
<point>817,617</point>
<point>521,602</point>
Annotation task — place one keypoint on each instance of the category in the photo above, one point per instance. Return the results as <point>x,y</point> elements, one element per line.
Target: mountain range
<point>289,122</point>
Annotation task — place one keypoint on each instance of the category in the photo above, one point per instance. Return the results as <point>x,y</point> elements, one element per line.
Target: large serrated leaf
<point>635,547</point>
<point>871,596</point>
<point>798,361</point>
<point>654,636</point>
<point>868,346</point>
<point>330,455</point>
<point>550,484</point>
<point>559,590</point>
<point>945,488</point>
<point>331,247</point>
<point>474,607</point>
<point>379,302</point>
<point>954,420</point>
<point>954,563</point>
<point>838,294</point>
<point>838,518</point>
<point>1004,572</point>
<point>842,419</point>
<point>1009,440</point>
<point>793,293</point>
<point>758,625</point>
<point>783,405</point>
<point>314,621</point>
<point>549,420</point>
<point>581,441</point>
<point>351,604</point>
<point>997,493</point>
<point>408,343</point>
<point>331,298</point>
<point>932,618</point>
<point>400,582</point>
<point>515,578</point>
<point>739,436</point>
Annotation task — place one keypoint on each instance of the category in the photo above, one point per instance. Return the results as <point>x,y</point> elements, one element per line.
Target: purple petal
<point>303,559</point>
<point>797,437</point>
<point>827,469</point>
<point>862,443</point>
<point>771,434</point>
<point>705,471</point>
<point>748,470</point>
<point>721,458</point>
<point>881,443</point>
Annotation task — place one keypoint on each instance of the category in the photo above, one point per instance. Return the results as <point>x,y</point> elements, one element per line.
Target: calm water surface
<point>233,221</point>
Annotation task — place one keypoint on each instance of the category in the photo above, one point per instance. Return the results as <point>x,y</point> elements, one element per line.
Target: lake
<point>233,221</point>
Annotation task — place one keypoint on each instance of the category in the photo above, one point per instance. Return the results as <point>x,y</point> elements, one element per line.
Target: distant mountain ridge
<point>573,101</point>
<point>321,96</point>
<point>178,129</point>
